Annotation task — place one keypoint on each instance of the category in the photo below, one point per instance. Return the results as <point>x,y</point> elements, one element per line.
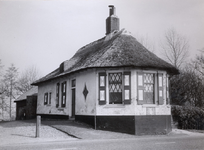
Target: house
<point>113,83</point>
<point>26,104</point>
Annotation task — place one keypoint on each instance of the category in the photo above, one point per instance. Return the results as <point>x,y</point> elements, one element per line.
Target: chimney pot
<point>112,10</point>
<point>112,22</point>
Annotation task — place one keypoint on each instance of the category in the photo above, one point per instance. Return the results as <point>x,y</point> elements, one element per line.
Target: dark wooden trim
<point>90,120</point>
<point>60,117</point>
<point>124,124</point>
<point>136,125</point>
<point>153,125</point>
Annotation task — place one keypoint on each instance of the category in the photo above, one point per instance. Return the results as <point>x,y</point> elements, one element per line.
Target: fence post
<point>38,122</point>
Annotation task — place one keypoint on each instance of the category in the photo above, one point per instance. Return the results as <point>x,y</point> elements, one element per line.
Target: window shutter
<point>50,97</point>
<point>102,88</point>
<point>127,87</point>
<point>140,88</point>
<point>160,89</point>
<point>57,94</point>
<point>167,90</point>
<point>63,103</point>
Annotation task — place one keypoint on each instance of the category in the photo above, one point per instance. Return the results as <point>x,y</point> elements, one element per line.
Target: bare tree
<point>27,77</point>
<point>198,63</point>
<point>175,48</point>
<point>9,84</point>
<point>146,43</point>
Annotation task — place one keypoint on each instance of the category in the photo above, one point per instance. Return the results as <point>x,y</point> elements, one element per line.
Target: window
<point>150,88</point>
<point>118,88</point>
<point>63,90</point>
<point>45,98</point>
<point>73,83</point>
<point>57,94</point>
<point>146,88</point>
<point>115,88</point>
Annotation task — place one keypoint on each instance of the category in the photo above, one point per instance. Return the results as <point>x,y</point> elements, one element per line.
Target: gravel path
<point>24,131</point>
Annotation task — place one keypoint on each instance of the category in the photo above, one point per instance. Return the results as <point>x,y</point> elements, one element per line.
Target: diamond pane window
<point>149,88</point>
<point>115,88</point>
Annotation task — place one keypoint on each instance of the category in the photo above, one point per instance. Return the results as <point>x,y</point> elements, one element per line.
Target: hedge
<point>188,117</point>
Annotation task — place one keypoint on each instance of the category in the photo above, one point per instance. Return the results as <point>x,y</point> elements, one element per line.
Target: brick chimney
<point>112,22</point>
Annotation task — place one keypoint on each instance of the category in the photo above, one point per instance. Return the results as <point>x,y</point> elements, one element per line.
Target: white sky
<point>45,33</point>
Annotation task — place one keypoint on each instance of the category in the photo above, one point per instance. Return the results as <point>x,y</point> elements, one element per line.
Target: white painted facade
<point>89,106</point>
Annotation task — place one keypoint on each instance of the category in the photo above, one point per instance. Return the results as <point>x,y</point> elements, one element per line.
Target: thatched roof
<point>117,49</point>
<point>31,92</point>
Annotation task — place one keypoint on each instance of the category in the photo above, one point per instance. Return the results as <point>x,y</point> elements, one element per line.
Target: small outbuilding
<point>26,104</point>
<point>113,83</point>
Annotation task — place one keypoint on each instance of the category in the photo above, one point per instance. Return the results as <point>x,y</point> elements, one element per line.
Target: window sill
<point>115,106</point>
<point>61,108</point>
<point>149,105</point>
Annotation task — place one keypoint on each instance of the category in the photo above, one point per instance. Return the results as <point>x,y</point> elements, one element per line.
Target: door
<point>73,86</point>
<point>73,102</point>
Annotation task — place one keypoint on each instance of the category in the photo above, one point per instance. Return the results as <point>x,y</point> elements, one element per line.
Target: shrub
<point>188,117</point>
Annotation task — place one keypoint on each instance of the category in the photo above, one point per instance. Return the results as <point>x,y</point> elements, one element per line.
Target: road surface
<point>178,142</point>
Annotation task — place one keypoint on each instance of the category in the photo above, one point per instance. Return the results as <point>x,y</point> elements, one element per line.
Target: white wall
<point>90,105</point>
<point>86,106</point>
<point>51,87</point>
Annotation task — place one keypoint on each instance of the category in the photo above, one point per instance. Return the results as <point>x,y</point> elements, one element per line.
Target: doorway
<point>73,87</point>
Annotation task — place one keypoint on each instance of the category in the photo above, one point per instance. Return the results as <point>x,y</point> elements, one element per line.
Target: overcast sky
<point>45,33</point>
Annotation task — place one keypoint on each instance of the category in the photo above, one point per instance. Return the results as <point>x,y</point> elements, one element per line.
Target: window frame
<point>158,87</point>
<point>46,98</point>
<point>105,88</point>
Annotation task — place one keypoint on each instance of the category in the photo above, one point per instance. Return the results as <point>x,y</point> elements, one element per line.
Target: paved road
<point>179,142</point>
